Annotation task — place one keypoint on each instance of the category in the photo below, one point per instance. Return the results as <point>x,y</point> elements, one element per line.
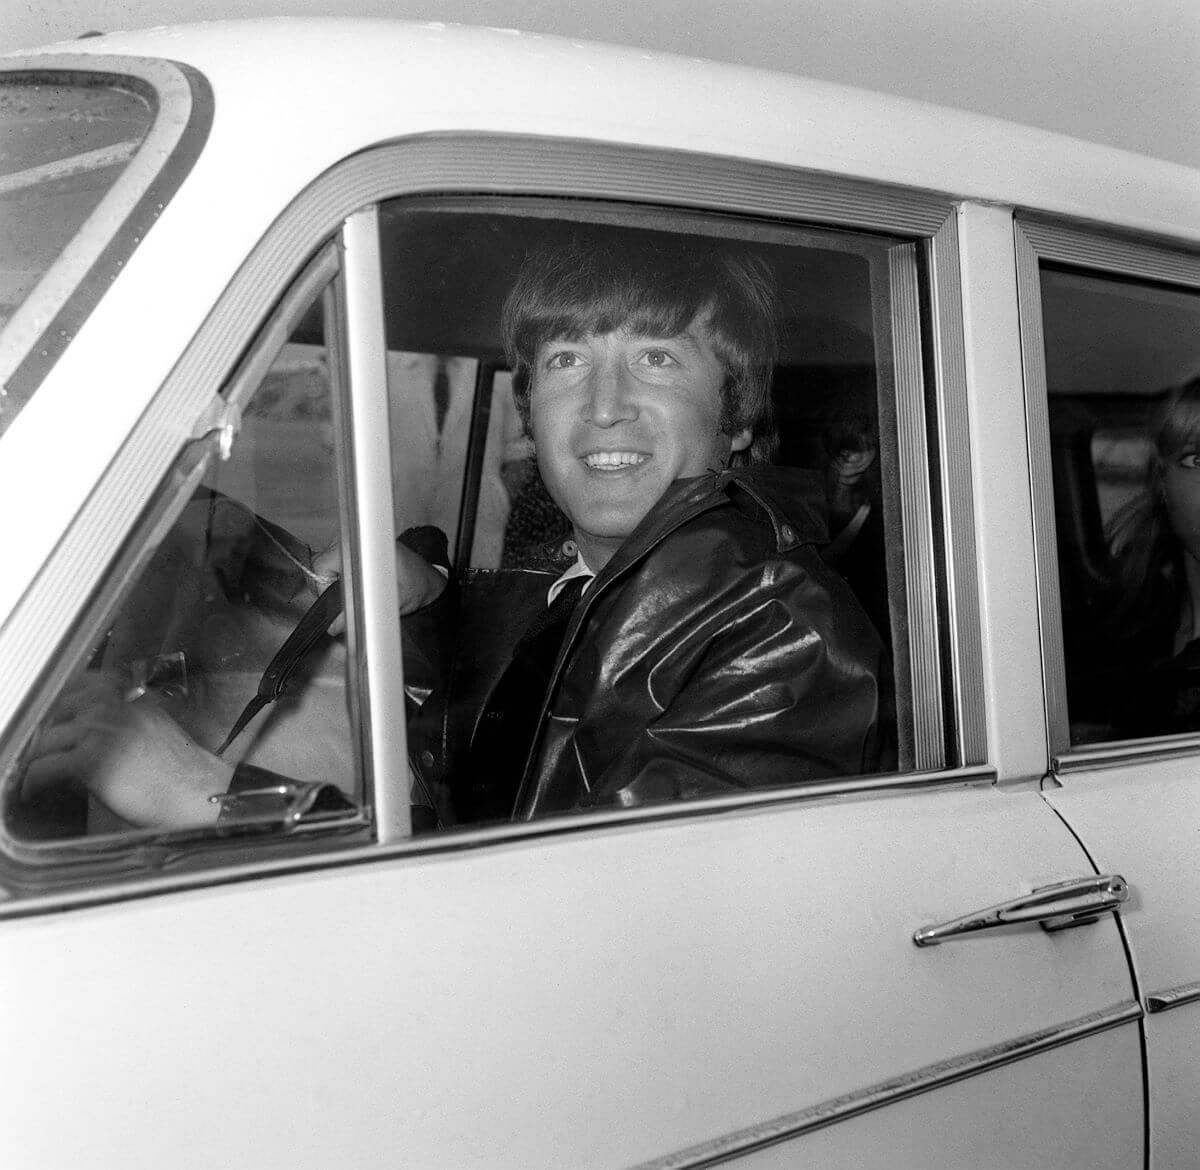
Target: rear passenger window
<point>526,457</point>
<point>1123,382</point>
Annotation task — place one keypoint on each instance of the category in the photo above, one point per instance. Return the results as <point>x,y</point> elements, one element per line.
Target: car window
<point>449,266</point>
<point>1122,362</point>
<point>247,551</point>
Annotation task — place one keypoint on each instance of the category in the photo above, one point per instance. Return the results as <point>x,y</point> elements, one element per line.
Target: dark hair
<point>655,285</point>
<point>1149,578</point>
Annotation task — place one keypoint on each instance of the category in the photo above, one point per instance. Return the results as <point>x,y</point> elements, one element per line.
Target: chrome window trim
<point>1037,239</point>
<point>372,564</point>
<point>118,888</point>
<point>1122,752</point>
<point>517,165</point>
<point>1174,262</point>
<point>43,325</point>
<point>961,592</point>
<point>921,653</point>
<point>899,1088</point>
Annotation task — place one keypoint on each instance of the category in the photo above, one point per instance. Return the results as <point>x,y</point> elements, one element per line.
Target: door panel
<point>960,1127</point>
<point>1111,344</point>
<point>599,997</point>
<point>1144,819</point>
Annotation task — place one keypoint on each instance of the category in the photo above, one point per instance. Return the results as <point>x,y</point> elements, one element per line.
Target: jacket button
<point>570,549</point>
<point>788,532</point>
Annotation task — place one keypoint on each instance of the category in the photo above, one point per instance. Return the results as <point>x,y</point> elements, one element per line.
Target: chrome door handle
<point>1057,907</point>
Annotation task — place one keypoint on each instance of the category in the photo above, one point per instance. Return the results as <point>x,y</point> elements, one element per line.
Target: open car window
<point>464,459</point>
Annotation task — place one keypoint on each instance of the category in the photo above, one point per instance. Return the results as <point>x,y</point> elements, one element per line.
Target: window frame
<point>1112,254</point>
<point>934,438</point>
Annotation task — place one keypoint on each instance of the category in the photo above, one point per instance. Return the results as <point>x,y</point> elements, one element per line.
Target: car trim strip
<point>370,516</point>
<point>924,653</point>
<point>1174,261</point>
<point>899,1088</point>
<point>948,344</point>
<point>48,318</point>
<point>125,887</point>
<point>1115,755</point>
<point>1037,426</point>
<point>1172,997</point>
<point>1037,240</point>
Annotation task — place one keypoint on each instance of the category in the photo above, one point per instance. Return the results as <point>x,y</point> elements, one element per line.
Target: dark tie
<point>508,725</point>
<point>441,393</point>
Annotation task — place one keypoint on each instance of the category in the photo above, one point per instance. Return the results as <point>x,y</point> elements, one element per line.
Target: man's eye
<point>1190,460</point>
<point>658,358</point>
<point>563,360</point>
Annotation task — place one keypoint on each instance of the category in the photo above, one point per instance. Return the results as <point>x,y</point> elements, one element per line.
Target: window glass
<point>150,726</point>
<point>1122,365</point>
<point>716,658</point>
<point>62,147</point>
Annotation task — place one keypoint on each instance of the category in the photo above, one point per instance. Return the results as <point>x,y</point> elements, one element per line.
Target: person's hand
<point>418,583</point>
<point>130,755</point>
<point>327,566</point>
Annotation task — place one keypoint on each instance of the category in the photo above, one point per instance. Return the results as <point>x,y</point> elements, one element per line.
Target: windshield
<point>61,149</point>
<point>92,148</point>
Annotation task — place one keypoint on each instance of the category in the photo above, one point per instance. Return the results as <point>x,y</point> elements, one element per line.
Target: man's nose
<point>610,399</point>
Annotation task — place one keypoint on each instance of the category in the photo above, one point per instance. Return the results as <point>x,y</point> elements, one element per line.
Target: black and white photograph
<point>600,586</point>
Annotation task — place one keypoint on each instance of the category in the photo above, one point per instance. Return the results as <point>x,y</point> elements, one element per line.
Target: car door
<point>680,985</point>
<point>1111,334</point>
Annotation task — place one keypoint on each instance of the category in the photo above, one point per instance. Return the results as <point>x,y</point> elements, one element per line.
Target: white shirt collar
<point>578,569</point>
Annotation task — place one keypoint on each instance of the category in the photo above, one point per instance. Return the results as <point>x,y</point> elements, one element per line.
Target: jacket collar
<point>789,498</point>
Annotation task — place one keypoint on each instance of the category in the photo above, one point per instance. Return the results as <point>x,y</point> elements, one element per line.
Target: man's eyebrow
<point>683,337</point>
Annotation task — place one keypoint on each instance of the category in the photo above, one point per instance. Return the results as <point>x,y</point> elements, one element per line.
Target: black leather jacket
<point>716,651</point>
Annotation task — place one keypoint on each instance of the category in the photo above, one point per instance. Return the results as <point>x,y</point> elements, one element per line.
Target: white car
<point>250,282</point>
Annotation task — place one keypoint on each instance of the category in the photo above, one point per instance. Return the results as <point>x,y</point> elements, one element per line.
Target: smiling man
<point>711,649</point>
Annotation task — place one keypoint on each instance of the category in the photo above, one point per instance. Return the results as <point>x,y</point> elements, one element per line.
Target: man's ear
<point>741,440</point>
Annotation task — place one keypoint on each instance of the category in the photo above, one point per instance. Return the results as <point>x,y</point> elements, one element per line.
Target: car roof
<point>311,91</point>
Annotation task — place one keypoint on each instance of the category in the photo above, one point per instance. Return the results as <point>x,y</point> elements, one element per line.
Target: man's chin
<point>604,529</point>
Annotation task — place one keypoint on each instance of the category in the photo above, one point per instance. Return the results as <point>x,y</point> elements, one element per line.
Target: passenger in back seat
<point>1150,659</point>
<point>850,439</point>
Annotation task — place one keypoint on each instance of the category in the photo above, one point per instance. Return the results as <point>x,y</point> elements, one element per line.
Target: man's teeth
<point>614,459</point>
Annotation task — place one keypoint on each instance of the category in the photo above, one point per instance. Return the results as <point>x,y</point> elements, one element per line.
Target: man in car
<point>699,644</point>
<point>712,649</point>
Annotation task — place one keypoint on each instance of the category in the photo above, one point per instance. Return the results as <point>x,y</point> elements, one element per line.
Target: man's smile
<point>614,460</point>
